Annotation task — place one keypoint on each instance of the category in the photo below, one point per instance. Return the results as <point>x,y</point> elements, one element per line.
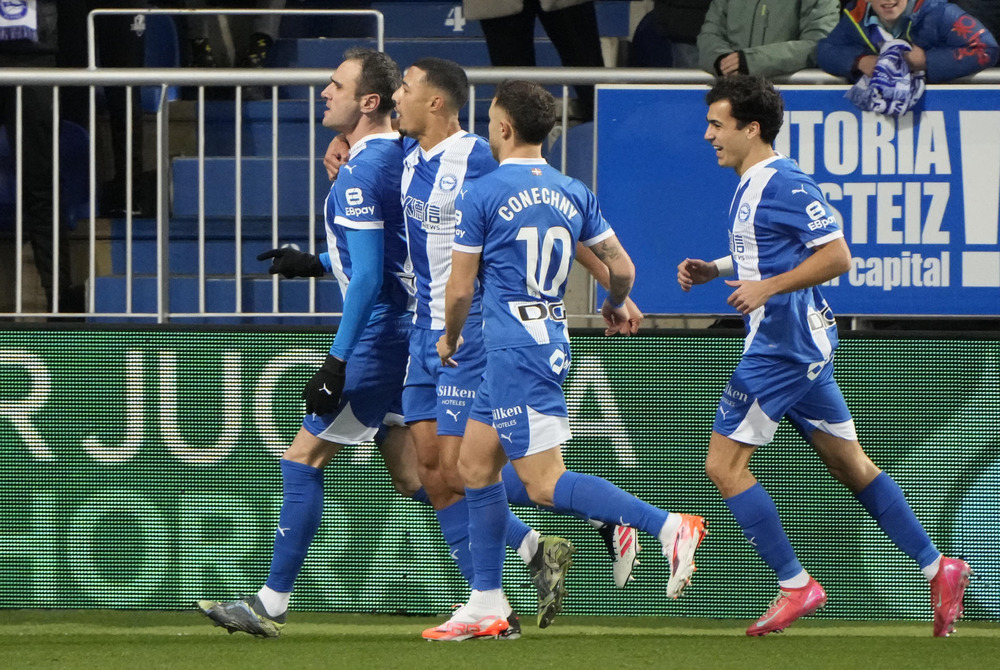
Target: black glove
<point>322,393</point>
<point>291,262</point>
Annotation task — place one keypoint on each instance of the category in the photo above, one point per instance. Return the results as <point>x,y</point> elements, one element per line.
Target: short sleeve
<point>470,228</point>
<point>799,209</point>
<point>595,227</point>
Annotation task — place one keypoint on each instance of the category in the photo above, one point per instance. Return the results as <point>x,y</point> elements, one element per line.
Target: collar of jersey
<point>756,167</point>
<point>524,161</point>
<point>360,144</point>
<point>441,146</point>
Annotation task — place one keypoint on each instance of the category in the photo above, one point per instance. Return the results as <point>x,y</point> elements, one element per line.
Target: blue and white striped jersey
<point>525,218</point>
<point>432,180</point>
<point>366,196</point>
<point>778,215</point>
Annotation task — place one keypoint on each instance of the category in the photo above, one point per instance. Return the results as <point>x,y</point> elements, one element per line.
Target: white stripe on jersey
<point>744,234</point>
<point>597,238</point>
<point>358,225</point>
<point>454,161</point>
<point>826,238</point>
<point>334,252</point>
<point>820,336</point>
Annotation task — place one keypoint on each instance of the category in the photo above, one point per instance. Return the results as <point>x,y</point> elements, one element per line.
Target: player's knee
<point>405,483</point>
<point>453,480</point>
<point>721,474</point>
<point>474,474</point>
<point>541,493</point>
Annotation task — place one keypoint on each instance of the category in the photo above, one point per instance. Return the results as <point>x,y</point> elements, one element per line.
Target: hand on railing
<point>290,262</point>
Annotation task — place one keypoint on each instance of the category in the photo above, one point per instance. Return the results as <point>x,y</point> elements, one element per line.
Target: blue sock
<point>886,503</point>
<point>301,510</point>
<point>488,516</point>
<point>454,520</point>
<point>516,530</point>
<point>757,517</point>
<point>596,498</point>
<point>516,493</point>
<point>420,496</point>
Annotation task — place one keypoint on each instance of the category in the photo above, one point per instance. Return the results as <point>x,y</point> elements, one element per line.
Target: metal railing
<point>238,79</point>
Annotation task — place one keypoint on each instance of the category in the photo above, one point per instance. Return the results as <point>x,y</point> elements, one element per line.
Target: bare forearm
<point>621,271</point>
<point>456,310</point>
<point>593,265</point>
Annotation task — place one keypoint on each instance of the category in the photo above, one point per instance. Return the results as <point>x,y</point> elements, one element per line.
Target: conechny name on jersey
<point>530,197</point>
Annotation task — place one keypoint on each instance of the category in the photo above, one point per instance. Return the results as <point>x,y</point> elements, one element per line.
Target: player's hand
<point>749,295</point>
<point>290,262</point>
<point>635,317</point>
<point>336,155</point>
<point>693,271</point>
<point>616,318</point>
<point>730,64</point>
<point>446,350</point>
<point>322,393</point>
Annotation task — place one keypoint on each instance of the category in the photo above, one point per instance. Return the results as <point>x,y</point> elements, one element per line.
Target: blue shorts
<point>522,397</point>
<point>764,389</point>
<point>434,392</point>
<point>374,385</point>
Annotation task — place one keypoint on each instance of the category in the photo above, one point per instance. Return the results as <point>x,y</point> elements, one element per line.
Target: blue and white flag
<point>18,20</point>
<point>892,88</point>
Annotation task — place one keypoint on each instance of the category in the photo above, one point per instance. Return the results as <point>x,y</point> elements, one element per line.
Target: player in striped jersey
<point>441,161</point>
<point>784,242</point>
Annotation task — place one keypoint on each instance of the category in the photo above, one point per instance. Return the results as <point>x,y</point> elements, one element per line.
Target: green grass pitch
<point>134,640</point>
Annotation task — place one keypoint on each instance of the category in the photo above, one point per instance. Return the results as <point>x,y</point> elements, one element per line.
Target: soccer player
<point>517,232</point>
<point>360,381</point>
<point>784,242</point>
<point>441,160</point>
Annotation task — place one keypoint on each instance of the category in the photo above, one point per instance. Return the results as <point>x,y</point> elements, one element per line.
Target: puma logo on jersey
<point>801,189</point>
<point>350,169</point>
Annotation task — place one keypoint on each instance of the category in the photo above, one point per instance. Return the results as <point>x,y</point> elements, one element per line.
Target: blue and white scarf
<point>891,89</point>
<point>18,20</point>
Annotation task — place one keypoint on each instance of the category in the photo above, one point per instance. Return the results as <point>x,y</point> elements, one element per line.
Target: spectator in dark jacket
<point>945,42</point>
<point>667,36</point>
<point>987,11</point>
<point>28,38</point>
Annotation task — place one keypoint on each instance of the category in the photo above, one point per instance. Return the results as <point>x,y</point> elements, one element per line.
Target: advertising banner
<point>918,196</point>
<point>139,469</point>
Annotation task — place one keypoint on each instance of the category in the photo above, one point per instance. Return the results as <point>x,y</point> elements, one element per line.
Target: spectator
<point>945,42</point>
<point>119,43</point>
<point>667,36</point>
<point>509,28</point>
<point>265,31</point>
<point>28,38</point>
<point>987,11</point>
<point>768,39</point>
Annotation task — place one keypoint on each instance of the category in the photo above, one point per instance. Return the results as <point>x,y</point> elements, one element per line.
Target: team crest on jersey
<point>744,213</point>
<point>536,171</point>
<point>447,182</point>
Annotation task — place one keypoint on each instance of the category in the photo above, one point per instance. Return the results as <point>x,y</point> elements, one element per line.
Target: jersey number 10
<point>541,257</point>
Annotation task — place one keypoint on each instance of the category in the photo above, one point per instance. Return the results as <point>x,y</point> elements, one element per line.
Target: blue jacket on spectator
<point>957,44</point>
